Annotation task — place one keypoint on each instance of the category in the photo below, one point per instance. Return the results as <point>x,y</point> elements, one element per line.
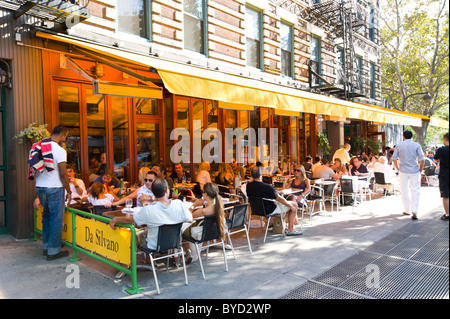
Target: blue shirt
<point>409,153</point>
<point>142,191</point>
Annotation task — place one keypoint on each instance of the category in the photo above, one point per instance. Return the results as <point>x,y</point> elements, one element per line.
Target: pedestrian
<point>408,160</point>
<point>441,157</point>
<point>51,181</point>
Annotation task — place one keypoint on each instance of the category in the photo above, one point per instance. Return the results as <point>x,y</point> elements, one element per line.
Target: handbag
<point>197,230</point>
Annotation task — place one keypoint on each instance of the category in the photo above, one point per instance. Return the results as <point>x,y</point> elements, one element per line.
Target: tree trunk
<point>421,132</point>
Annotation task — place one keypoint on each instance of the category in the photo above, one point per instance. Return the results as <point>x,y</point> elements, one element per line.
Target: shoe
<point>405,213</point>
<point>45,252</point>
<point>414,217</point>
<point>191,260</point>
<point>61,254</point>
<point>444,217</point>
<point>294,233</point>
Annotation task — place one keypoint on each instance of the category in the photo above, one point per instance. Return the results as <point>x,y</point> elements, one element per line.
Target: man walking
<point>408,160</point>
<point>48,160</point>
<point>442,157</point>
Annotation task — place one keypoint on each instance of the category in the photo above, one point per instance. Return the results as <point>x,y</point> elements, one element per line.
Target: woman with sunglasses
<point>300,181</point>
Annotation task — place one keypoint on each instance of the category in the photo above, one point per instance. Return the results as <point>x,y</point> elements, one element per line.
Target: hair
<point>302,171</point>
<point>142,172</point>
<point>204,166</point>
<point>151,173</point>
<point>97,189</point>
<point>382,160</point>
<point>317,159</point>
<point>159,187</point>
<point>72,167</point>
<point>324,161</point>
<point>212,190</point>
<point>59,129</point>
<point>256,172</point>
<point>309,157</point>
<point>407,134</point>
<point>446,136</point>
<point>337,159</point>
<point>108,172</point>
<point>203,177</point>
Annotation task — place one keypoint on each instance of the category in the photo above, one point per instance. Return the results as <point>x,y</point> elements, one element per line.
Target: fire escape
<point>341,18</point>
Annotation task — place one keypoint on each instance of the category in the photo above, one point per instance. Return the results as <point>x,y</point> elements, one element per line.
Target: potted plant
<point>35,132</point>
<point>324,144</point>
<point>357,143</point>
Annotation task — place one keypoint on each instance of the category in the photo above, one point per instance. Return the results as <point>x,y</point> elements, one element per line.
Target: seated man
<point>144,194</point>
<point>109,179</point>
<point>163,212</point>
<point>356,168</point>
<point>257,188</point>
<point>325,171</point>
<point>179,173</point>
<point>76,185</point>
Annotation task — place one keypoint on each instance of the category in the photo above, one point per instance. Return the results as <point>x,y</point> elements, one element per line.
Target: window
<point>254,37</point>
<point>315,60</point>
<point>359,85</point>
<point>372,23</point>
<point>134,16</point>
<point>195,25</point>
<point>372,81</point>
<point>287,64</point>
<point>341,66</point>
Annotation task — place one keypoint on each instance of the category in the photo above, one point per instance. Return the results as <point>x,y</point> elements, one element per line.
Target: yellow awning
<point>438,122</point>
<point>189,80</point>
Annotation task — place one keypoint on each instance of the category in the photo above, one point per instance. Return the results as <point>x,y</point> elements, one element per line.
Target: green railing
<point>132,271</point>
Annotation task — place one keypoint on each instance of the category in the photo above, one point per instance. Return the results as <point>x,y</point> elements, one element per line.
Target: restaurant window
<point>253,26</point>
<point>372,80</point>
<point>316,63</point>
<point>287,43</point>
<point>69,116</point>
<point>372,23</point>
<point>148,144</point>
<point>134,17</point>
<point>96,130</point>
<point>195,17</point>
<point>147,107</point>
<point>120,134</point>
<point>168,119</point>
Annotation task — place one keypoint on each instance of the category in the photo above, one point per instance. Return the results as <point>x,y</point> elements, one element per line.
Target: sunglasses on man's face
<point>148,180</point>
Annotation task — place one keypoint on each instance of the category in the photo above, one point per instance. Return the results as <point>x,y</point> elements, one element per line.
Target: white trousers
<point>410,191</point>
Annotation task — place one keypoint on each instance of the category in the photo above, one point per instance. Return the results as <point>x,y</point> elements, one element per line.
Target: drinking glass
<point>129,203</point>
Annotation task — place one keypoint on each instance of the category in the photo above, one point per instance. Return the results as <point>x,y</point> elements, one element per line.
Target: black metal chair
<point>347,190</point>
<point>259,209</point>
<point>380,180</point>
<point>169,238</point>
<point>236,224</point>
<point>210,233</point>
<point>429,172</point>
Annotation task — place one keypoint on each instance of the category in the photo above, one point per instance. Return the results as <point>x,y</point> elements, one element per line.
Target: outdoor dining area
<point>101,220</point>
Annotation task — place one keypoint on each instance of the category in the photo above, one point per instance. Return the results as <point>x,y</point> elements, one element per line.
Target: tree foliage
<point>414,40</point>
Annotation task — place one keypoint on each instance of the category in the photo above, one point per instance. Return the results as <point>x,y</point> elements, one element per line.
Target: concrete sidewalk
<point>274,269</point>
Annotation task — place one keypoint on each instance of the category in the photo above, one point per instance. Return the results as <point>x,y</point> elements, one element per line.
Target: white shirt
<point>342,155</point>
<point>157,214</point>
<point>73,190</point>
<point>52,179</point>
<point>97,202</point>
<point>409,153</point>
<point>323,171</point>
<point>389,174</point>
<point>142,191</point>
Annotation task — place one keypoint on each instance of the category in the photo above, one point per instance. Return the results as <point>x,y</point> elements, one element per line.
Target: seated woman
<point>98,196</point>
<point>338,167</point>
<point>203,177</point>
<point>300,181</point>
<point>214,206</point>
<point>225,175</point>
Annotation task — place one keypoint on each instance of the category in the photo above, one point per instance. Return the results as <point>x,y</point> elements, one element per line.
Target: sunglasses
<point>148,180</point>
<point>297,170</point>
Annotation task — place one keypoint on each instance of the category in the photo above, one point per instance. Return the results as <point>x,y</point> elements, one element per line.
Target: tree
<point>414,40</point>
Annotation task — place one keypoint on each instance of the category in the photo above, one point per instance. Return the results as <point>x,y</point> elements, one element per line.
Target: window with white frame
<point>287,43</point>
<point>195,25</point>
<point>253,25</point>
<point>134,17</point>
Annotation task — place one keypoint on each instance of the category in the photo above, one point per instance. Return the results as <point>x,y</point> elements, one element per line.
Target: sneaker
<point>294,233</point>
<point>61,254</point>
<point>444,217</point>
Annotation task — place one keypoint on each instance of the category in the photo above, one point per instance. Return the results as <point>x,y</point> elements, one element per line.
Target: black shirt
<point>442,156</point>
<point>262,190</point>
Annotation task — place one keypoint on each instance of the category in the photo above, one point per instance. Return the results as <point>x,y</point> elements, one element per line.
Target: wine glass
<point>129,203</point>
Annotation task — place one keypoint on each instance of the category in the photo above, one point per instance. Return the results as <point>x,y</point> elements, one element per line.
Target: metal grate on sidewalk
<point>411,263</point>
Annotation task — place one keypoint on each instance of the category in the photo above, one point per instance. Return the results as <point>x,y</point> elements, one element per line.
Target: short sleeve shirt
<point>52,179</point>
<point>157,214</point>
<point>409,153</point>
<point>442,155</point>
<point>143,191</point>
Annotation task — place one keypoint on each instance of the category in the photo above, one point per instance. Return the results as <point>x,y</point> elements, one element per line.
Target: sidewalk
<point>275,269</point>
